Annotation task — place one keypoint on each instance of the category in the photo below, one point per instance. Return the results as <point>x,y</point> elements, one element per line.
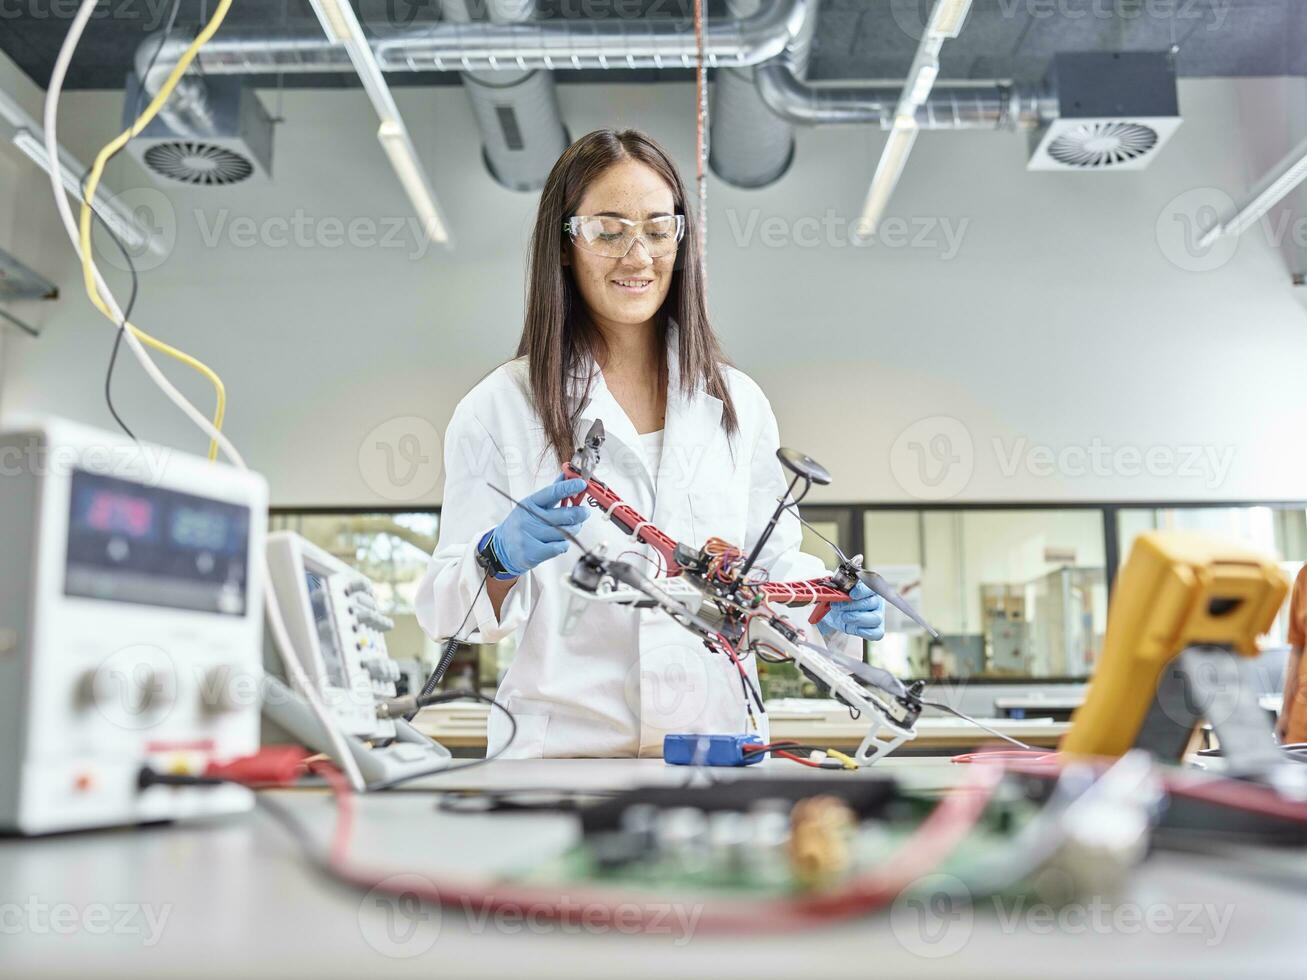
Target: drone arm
<point>628,519</point>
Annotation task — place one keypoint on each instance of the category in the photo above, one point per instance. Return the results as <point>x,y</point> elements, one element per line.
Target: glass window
<point>1015,594</point>
<point>835,524</point>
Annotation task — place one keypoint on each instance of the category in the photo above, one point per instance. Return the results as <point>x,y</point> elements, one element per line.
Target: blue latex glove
<point>529,534</point>
<point>862,616</point>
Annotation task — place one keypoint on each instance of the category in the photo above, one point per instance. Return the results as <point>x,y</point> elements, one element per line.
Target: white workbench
<point>462,725</point>
<point>235,900</point>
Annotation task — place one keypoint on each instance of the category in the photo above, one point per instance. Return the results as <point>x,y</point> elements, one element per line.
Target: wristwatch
<point>489,560</point>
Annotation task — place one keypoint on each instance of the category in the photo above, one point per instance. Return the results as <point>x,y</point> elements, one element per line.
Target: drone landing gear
<point>874,747</point>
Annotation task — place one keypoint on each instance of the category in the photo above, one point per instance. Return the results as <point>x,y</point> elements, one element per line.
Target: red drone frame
<point>820,592</point>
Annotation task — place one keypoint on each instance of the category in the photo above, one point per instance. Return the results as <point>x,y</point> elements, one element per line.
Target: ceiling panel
<point>855,39</point>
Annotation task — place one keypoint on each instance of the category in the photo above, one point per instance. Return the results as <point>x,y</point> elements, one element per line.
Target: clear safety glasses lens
<point>614,237</point>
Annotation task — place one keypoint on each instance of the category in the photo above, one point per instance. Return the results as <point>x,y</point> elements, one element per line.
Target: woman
<point>616,330</point>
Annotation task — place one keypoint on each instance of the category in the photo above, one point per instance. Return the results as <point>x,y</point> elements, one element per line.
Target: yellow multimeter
<point>1178,591</point>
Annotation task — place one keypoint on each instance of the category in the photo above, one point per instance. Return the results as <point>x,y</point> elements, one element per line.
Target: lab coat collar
<point>689,418</point>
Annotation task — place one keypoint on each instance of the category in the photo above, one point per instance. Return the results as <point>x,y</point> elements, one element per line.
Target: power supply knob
<point>221,693</point>
<point>129,691</point>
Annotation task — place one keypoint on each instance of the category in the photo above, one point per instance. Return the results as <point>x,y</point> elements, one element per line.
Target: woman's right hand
<point>530,534</point>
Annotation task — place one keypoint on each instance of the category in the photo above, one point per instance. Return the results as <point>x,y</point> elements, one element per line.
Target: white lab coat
<point>593,679</point>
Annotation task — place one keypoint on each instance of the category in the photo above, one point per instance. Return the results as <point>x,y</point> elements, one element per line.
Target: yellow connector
<point>848,762</point>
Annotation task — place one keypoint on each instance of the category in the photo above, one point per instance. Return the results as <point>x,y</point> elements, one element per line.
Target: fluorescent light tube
<point>947,18</point>
<point>403,158</point>
<point>132,235</point>
<point>919,86</point>
<point>892,161</point>
<point>338,25</point>
<point>1275,190</point>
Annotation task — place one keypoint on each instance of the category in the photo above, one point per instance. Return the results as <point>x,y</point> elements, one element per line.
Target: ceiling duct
<point>615,42</point>
<point>1115,111</point>
<point>518,126</point>
<point>751,146</point>
<point>229,143</point>
<point>960,105</point>
<point>522,131</point>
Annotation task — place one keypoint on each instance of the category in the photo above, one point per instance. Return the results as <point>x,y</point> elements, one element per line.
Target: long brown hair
<point>558,336</point>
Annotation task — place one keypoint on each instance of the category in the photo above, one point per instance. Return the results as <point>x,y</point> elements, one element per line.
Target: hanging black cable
<point>131,266</point>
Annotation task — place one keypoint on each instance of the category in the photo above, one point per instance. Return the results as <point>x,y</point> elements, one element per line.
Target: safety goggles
<point>613,237</point>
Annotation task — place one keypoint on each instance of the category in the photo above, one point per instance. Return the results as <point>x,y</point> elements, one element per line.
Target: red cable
<point>1006,755</point>
<point>1203,787</point>
<point>952,819</point>
<point>344,797</point>
<point>701,110</point>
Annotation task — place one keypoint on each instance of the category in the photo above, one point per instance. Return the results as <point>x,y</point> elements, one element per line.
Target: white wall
<point>1062,321</point>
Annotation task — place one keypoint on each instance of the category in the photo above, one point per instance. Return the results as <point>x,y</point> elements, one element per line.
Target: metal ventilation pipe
<point>476,47</point>
<point>522,131</point>
<point>611,43</point>
<point>187,109</point>
<point>983,105</point>
<point>752,146</point>
<point>480,46</point>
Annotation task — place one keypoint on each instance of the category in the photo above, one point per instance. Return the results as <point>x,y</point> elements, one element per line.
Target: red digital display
<point>118,513</point>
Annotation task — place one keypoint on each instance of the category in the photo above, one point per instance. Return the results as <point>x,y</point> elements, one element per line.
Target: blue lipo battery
<point>710,750</point>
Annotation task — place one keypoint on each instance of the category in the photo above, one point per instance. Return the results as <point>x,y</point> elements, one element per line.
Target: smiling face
<point>626,292</point>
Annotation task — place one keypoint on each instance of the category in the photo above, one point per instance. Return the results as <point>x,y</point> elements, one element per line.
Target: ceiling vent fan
<point>235,146</point>
<point>1115,111</point>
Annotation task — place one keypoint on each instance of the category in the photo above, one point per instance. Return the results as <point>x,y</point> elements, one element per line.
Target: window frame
<point>855,514</point>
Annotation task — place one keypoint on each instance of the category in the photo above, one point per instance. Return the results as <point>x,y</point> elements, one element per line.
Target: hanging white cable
<point>50,122</point>
<point>280,637</point>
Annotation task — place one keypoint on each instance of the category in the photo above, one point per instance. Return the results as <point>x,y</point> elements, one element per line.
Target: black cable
<point>131,266</point>
<point>438,770</point>
<point>127,311</point>
<point>295,828</point>
<point>474,802</point>
<point>451,647</point>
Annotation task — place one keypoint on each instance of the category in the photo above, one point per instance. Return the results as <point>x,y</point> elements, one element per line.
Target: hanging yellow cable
<point>88,195</point>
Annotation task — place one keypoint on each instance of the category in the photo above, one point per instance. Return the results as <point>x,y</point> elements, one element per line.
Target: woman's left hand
<point>862,616</point>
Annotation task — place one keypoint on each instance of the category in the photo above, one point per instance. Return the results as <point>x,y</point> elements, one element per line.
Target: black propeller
<point>877,677</point>
<point>873,580</point>
<point>876,582</point>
